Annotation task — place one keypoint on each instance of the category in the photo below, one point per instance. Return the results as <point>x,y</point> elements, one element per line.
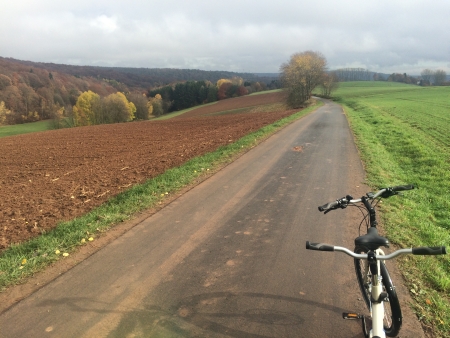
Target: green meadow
<point>403,134</point>
<point>25,128</point>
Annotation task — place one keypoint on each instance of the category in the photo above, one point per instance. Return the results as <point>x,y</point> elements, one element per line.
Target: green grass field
<point>25,128</point>
<point>403,134</point>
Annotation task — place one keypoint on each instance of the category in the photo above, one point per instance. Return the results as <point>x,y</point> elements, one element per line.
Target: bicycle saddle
<point>371,240</point>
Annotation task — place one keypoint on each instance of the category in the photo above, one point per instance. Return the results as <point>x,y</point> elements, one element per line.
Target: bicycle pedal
<point>350,315</point>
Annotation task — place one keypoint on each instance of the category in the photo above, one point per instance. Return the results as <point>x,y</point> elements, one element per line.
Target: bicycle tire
<point>392,312</point>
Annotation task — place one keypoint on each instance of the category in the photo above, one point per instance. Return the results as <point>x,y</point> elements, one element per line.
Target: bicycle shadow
<point>191,317</point>
<point>212,314</point>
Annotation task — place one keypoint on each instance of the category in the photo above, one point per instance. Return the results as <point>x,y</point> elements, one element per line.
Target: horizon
<point>210,70</point>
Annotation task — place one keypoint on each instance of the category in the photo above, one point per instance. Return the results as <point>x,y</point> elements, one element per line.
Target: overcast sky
<point>234,35</point>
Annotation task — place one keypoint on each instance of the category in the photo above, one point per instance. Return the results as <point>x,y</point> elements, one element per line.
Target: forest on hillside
<point>32,91</point>
<point>142,78</point>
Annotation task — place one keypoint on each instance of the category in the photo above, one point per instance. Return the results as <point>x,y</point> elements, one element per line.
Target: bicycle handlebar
<point>439,250</point>
<point>402,187</point>
<point>319,246</point>
<point>344,201</point>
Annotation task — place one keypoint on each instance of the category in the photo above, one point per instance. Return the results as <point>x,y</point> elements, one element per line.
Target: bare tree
<point>439,77</point>
<point>330,82</point>
<point>426,75</point>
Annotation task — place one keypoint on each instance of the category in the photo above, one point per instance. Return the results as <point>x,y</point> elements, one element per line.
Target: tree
<point>156,105</point>
<point>4,114</point>
<point>87,110</point>
<point>330,82</point>
<point>116,108</point>
<point>426,75</point>
<point>241,91</point>
<point>224,90</point>
<point>222,81</point>
<point>5,81</point>
<point>212,94</point>
<point>141,103</point>
<point>439,77</point>
<point>301,75</point>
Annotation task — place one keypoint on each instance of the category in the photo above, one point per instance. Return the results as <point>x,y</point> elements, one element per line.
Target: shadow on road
<point>217,314</point>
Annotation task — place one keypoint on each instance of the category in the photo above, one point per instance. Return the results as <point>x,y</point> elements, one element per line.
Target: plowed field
<point>236,103</point>
<point>59,175</point>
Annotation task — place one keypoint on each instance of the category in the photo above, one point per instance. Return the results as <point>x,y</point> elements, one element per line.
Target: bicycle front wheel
<point>392,312</point>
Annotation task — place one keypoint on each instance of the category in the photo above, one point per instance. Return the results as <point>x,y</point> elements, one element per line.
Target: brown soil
<point>58,175</point>
<point>236,103</point>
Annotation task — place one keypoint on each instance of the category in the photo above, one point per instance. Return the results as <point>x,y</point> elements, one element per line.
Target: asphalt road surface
<point>228,258</point>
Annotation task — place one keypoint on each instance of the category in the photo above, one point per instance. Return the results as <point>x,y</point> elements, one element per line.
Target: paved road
<point>228,258</point>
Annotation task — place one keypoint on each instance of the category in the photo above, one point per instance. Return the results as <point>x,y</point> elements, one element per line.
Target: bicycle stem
<point>371,210</point>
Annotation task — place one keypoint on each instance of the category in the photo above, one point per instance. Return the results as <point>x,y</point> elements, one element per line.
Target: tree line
<point>354,74</point>
<point>427,78</point>
<point>437,77</point>
<point>192,93</point>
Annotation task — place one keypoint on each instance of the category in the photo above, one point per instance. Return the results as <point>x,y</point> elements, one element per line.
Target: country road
<point>228,258</point>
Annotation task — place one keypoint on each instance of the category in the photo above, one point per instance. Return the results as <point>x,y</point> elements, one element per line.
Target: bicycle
<point>369,259</point>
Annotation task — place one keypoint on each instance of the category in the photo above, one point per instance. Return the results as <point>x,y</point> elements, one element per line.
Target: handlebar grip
<point>319,246</point>
<point>403,187</point>
<point>328,206</point>
<point>437,250</point>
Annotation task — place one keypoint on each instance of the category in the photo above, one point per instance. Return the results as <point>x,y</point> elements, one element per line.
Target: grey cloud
<point>256,36</point>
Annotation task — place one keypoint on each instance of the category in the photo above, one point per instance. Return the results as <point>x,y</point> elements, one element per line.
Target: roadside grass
<point>404,137</point>
<point>23,260</point>
<point>25,128</point>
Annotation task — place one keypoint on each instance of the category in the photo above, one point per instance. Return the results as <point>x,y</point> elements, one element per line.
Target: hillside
<point>141,78</point>
<point>34,91</point>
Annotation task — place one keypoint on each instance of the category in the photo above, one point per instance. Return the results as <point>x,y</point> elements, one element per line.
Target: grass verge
<point>397,151</point>
<point>23,260</point>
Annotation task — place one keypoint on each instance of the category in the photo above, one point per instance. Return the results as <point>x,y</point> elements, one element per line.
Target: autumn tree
<point>156,104</point>
<point>116,108</point>
<point>301,75</point>
<point>238,81</point>
<point>87,110</point>
<point>330,82</point>
<point>5,81</point>
<point>141,103</point>
<point>220,82</point>
<point>241,91</point>
<point>5,114</point>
